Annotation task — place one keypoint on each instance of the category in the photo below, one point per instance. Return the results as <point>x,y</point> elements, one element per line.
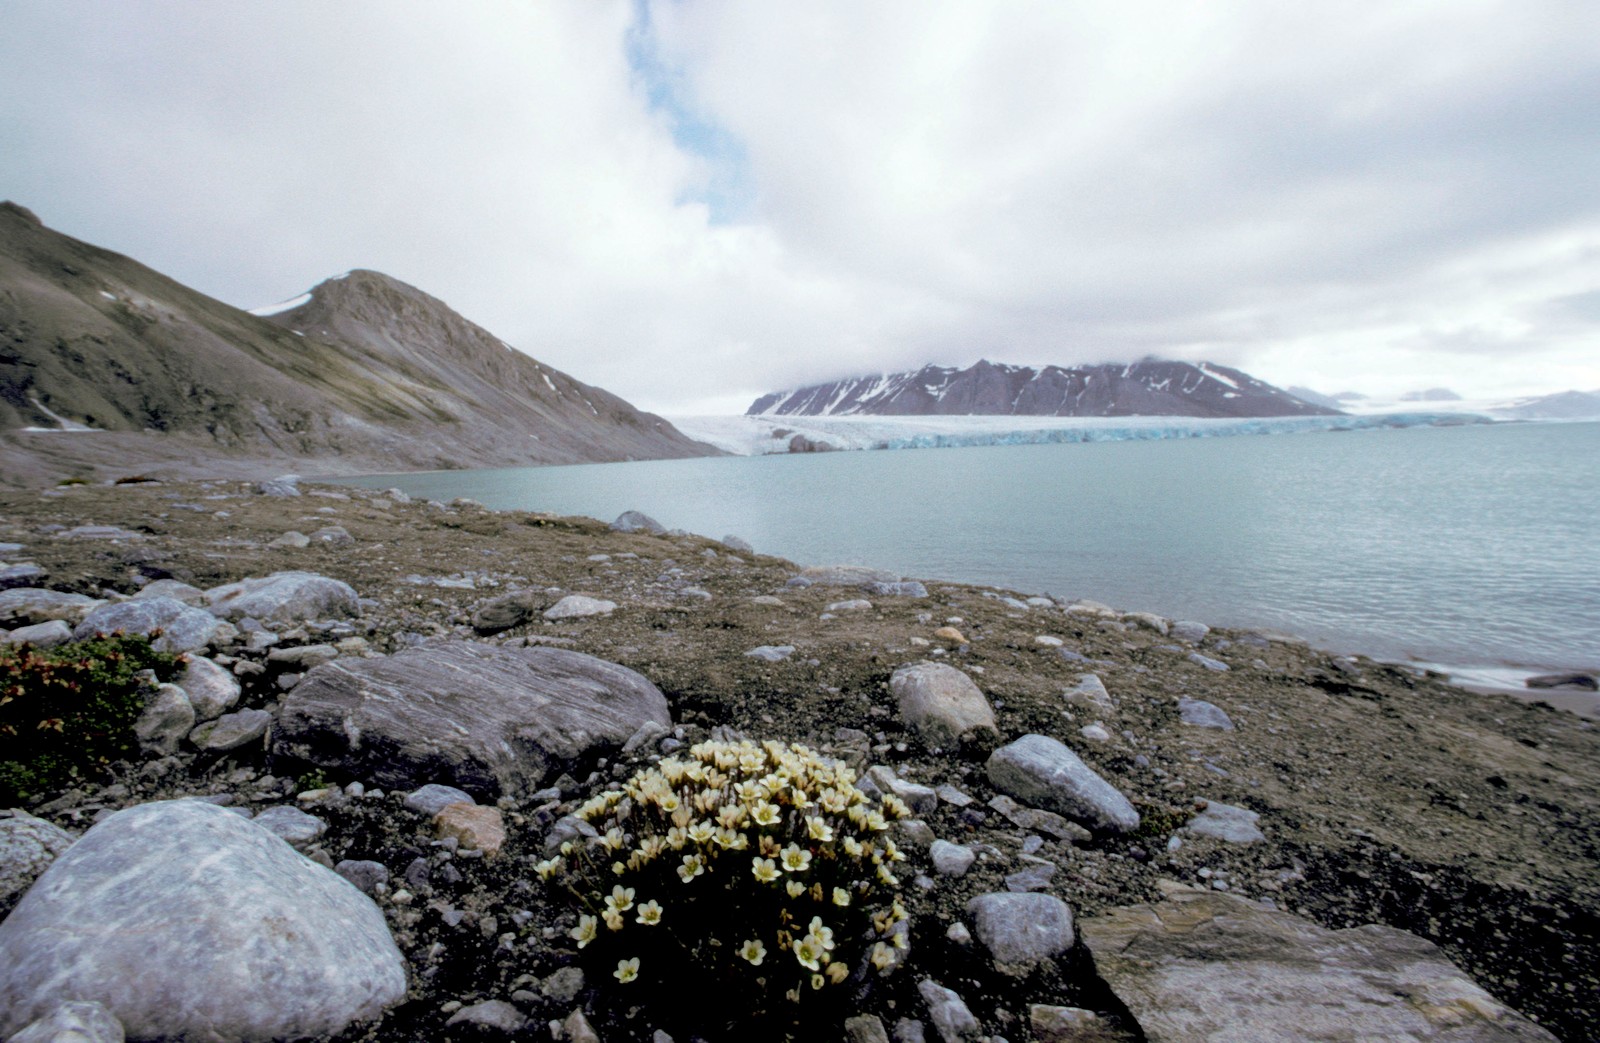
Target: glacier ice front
<point>764,434</point>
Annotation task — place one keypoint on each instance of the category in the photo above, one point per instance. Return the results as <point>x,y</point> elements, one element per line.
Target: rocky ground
<point>1331,793</point>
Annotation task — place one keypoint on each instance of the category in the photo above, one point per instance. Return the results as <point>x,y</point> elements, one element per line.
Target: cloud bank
<point>691,203</point>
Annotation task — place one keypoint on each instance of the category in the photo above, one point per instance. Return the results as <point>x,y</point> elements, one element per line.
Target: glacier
<point>765,434</point>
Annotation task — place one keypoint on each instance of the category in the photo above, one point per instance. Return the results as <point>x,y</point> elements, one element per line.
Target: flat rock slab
<point>285,597</point>
<point>845,576</point>
<point>487,719</point>
<point>1041,771</point>
<point>1021,930</point>
<point>1203,967</point>
<point>1198,713</point>
<point>577,606</point>
<point>232,730</point>
<point>942,704</point>
<point>186,920</point>
<point>26,574</point>
<point>183,627</point>
<point>1228,823</point>
<point>40,635</point>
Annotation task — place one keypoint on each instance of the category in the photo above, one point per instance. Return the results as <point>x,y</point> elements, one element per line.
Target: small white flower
<point>627,970</point>
<point>754,952</point>
<point>585,931</point>
<point>649,913</point>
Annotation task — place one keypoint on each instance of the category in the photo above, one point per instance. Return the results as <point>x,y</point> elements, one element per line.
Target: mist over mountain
<point>362,373</point>
<point>1151,387</point>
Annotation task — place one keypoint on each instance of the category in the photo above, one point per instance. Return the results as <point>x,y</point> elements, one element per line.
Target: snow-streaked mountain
<point>1147,388</point>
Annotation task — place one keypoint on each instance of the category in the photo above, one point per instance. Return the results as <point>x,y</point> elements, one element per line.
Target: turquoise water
<point>1470,546</point>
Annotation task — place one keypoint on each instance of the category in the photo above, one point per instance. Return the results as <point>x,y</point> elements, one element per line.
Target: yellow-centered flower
<point>650,913</point>
<point>765,870</point>
<point>796,859</point>
<point>585,931</point>
<point>693,866</point>
<point>627,970</point>
<point>754,952</point>
<point>818,829</point>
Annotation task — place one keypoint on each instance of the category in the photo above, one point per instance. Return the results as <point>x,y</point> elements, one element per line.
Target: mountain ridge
<point>1149,387</point>
<point>364,372</point>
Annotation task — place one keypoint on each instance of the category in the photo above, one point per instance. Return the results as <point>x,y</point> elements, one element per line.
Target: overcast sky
<point>691,203</point>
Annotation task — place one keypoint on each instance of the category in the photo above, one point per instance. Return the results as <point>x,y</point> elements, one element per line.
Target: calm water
<point>1468,546</point>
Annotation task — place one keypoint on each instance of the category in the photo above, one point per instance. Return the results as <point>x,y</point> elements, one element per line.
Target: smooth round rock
<point>185,920</point>
<point>1021,930</point>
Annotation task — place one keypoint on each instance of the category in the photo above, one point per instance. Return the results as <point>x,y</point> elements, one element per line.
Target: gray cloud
<point>721,199</point>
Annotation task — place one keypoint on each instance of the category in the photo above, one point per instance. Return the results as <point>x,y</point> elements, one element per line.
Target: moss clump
<point>66,712</point>
<point>756,873</point>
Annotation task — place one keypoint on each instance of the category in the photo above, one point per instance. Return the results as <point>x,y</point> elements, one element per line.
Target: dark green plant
<point>67,712</point>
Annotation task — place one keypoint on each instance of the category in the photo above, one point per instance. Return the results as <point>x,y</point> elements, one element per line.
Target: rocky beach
<point>392,713</point>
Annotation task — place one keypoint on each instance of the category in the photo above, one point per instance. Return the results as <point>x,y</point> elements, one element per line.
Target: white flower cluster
<point>778,821</point>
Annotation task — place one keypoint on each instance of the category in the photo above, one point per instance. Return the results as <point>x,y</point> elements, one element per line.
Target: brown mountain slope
<point>368,374</point>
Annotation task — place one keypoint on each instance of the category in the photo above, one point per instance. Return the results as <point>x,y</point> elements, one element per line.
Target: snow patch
<point>1220,377</point>
<point>63,424</point>
<point>282,306</point>
<point>108,296</point>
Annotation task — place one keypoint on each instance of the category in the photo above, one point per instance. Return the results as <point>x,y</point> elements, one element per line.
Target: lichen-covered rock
<point>186,920</point>
<point>1039,770</point>
<point>487,719</point>
<point>27,847</point>
<point>285,597</point>
<point>1203,967</point>
<point>474,825</point>
<point>1226,822</point>
<point>942,704</point>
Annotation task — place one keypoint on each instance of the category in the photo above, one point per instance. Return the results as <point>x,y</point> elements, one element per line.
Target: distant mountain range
<point>1150,387</point>
<point>362,373</point>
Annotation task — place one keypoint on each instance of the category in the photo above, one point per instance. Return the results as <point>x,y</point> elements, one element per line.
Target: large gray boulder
<point>636,521</point>
<point>285,597</point>
<point>1203,967</point>
<point>27,847</point>
<point>942,704</point>
<point>1021,931</point>
<point>490,720</point>
<point>183,628</point>
<point>1040,771</point>
<point>185,920</point>
<point>26,605</point>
